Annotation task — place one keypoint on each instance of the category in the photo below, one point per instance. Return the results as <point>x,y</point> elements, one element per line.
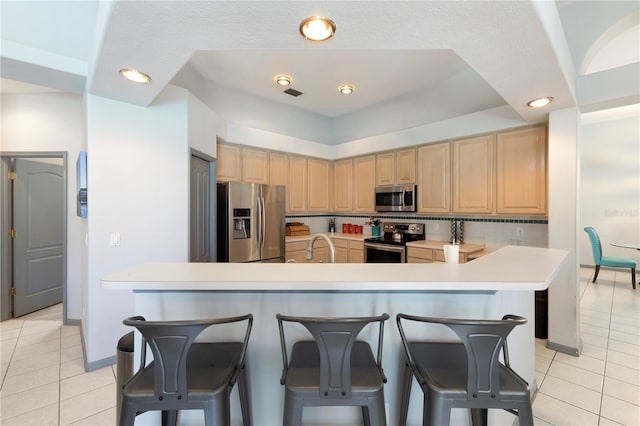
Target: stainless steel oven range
<point>391,246</point>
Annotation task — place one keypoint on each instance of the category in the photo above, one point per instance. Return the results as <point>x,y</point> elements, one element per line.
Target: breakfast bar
<point>491,286</point>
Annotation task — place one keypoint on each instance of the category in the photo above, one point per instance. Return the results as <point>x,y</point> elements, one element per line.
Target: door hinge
<point>12,233</point>
<point>12,291</point>
<point>11,175</point>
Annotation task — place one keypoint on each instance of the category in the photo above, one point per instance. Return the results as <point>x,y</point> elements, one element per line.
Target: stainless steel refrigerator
<point>250,222</point>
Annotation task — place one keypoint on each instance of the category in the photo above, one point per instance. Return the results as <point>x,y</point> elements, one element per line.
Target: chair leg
<point>292,411</point>
<point>407,379</point>
<point>525,414</point>
<point>375,411</point>
<point>478,416</point>
<point>127,415</point>
<point>218,412</point>
<point>245,400</point>
<point>435,412</point>
<point>633,277</point>
<point>366,420</point>
<point>596,274</point>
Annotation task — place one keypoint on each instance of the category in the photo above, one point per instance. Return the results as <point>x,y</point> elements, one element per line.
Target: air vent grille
<point>292,92</point>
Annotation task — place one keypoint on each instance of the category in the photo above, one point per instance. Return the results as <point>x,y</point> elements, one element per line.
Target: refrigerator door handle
<point>258,223</point>
<point>263,222</point>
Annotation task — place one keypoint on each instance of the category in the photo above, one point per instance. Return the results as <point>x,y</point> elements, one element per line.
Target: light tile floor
<point>44,383</point>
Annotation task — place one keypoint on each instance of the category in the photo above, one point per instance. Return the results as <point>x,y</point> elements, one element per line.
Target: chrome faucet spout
<point>332,248</point>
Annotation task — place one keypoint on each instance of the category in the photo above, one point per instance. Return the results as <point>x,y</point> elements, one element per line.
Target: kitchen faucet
<point>332,248</point>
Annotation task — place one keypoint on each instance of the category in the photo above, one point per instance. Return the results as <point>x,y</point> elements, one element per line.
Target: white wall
<point>52,122</point>
<point>563,174</point>
<point>610,180</point>
<point>138,168</point>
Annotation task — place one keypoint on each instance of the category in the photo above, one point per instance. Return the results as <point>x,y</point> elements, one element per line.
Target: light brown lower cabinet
<point>427,255</point>
<point>347,251</point>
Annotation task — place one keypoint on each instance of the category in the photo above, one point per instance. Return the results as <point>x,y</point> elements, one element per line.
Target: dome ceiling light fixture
<point>317,28</point>
<point>346,89</point>
<point>135,75</point>
<point>282,80</point>
<point>540,102</point>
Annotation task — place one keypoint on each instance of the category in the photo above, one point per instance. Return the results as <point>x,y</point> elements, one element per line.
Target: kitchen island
<point>501,282</point>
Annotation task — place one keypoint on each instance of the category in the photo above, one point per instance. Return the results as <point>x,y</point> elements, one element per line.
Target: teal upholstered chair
<point>613,262</point>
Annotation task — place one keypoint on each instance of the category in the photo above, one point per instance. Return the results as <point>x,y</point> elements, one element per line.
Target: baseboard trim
<point>565,349</point>
<point>95,365</point>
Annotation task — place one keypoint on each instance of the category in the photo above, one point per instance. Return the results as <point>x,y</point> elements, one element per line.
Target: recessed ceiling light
<point>346,89</point>
<point>283,80</point>
<point>317,28</point>
<point>135,75</point>
<point>540,102</point>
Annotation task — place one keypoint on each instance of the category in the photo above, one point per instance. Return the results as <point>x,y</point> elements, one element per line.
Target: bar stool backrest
<point>169,342</point>
<point>483,340</point>
<point>335,338</point>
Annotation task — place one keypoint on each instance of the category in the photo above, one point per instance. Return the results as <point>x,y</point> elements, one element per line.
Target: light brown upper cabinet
<point>521,157</point>
<point>396,167</point>
<point>473,175</point>
<point>319,185</point>
<point>364,183</point>
<point>405,166</point>
<point>228,163</point>
<point>385,164</point>
<point>343,185</point>
<point>255,166</point>
<point>278,168</point>
<point>434,178</point>
<point>297,188</point>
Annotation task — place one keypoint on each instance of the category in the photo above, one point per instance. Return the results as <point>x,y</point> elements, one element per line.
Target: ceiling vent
<point>292,92</point>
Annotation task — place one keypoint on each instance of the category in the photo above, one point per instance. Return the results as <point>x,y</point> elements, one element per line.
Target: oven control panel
<point>404,228</point>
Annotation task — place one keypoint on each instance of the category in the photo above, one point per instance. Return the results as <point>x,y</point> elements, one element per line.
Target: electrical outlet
<point>520,232</point>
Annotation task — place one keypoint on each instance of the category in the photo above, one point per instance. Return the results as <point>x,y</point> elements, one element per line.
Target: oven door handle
<point>384,247</point>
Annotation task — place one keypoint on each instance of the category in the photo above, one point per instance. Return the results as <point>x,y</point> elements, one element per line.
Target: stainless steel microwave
<point>396,198</point>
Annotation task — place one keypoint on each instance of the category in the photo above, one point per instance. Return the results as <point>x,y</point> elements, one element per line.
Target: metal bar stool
<point>185,375</point>
<point>466,374</point>
<point>334,369</point>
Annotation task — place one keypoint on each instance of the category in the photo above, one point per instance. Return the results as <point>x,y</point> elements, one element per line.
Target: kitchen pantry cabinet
<point>521,179</point>
<point>364,182</point>
<point>318,185</point>
<point>255,166</point>
<point>343,185</point>
<point>297,187</point>
<point>396,167</point>
<point>228,163</point>
<point>473,175</point>
<point>434,178</point>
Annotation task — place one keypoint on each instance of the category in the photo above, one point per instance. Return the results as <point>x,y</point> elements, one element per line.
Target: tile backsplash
<point>493,233</point>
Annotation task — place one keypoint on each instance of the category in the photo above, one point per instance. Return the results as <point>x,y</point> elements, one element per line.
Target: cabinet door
<point>318,185</point>
<point>385,168</point>
<point>255,166</point>
<point>473,175</point>
<point>405,166</point>
<point>228,163</point>
<point>343,185</point>
<point>364,171</point>
<point>356,252</point>
<point>297,184</point>
<point>278,168</point>
<point>434,178</point>
<point>521,171</point>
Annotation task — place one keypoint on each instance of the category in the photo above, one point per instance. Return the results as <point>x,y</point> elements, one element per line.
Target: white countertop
<point>509,268</point>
